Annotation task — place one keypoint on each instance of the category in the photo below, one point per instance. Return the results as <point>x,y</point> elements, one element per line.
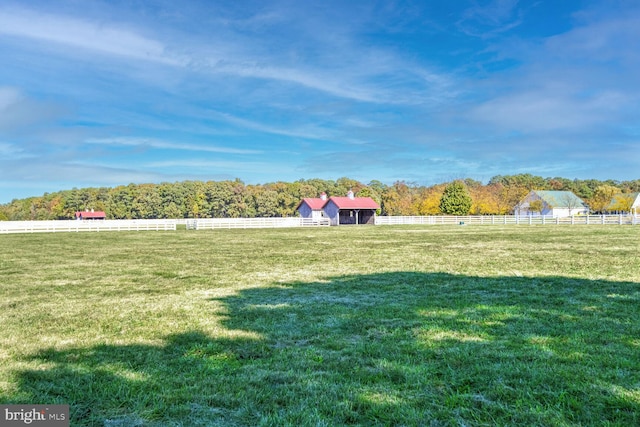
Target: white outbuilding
<point>557,204</point>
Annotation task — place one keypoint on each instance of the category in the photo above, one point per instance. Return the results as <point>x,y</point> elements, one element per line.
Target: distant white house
<point>551,203</point>
<point>625,203</point>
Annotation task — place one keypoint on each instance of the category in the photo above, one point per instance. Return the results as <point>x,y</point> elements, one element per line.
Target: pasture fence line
<point>284,222</point>
<point>290,222</point>
<point>509,220</point>
<point>87,225</point>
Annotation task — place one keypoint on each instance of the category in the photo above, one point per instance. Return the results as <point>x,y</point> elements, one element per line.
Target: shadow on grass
<point>396,348</point>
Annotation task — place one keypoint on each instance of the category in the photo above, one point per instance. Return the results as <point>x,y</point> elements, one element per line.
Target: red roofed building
<point>90,215</point>
<point>312,207</point>
<point>340,210</point>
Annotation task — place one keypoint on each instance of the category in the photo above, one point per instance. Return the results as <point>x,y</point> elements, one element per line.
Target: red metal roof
<point>317,204</point>
<point>355,203</point>
<point>314,203</point>
<point>83,214</point>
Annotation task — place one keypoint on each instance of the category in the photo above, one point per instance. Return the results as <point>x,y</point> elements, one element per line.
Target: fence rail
<point>509,219</point>
<point>220,223</point>
<point>77,226</point>
<point>213,223</point>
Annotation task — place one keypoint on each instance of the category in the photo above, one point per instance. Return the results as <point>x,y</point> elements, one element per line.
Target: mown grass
<point>328,326</point>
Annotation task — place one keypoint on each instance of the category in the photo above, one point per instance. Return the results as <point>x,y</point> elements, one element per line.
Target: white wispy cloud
<point>166,145</point>
<point>350,70</point>
<point>578,81</point>
<point>8,150</point>
<point>306,132</point>
<point>615,38</point>
<point>549,111</point>
<point>225,166</point>
<point>41,169</point>
<point>8,96</point>
<point>490,19</point>
<point>19,111</point>
<point>276,89</point>
<point>82,33</point>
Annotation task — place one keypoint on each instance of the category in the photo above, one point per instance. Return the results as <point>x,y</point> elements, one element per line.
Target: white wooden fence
<point>509,219</point>
<point>221,223</point>
<point>86,225</point>
<point>214,223</point>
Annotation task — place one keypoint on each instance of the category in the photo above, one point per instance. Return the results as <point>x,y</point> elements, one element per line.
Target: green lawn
<point>431,325</point>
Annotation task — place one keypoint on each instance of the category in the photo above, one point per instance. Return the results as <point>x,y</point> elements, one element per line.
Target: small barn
<point>340,210</point>
<point>312,207</point>
<point>551,203</point>
<point>90,215</point>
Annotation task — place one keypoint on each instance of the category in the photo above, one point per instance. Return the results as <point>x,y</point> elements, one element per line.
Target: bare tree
<point>570,201</point>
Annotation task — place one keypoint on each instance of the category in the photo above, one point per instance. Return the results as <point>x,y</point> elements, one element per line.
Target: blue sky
<point>108,93</point>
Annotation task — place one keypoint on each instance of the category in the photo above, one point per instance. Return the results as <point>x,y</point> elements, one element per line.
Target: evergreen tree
<point>455,199</point>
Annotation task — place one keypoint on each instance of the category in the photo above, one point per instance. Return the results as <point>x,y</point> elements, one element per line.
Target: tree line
<point>234,198</point>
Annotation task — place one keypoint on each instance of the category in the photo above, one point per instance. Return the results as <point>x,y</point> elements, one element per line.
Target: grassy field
<point>363,326</point>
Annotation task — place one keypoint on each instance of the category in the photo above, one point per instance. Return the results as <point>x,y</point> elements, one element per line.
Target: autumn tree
<point>234,199</point>
<point>343,185</point>
<point>120,202</point>
<point>398,200</point>
<point>509,196</point>
<point>630,186</point>
<point>267,204</point>
<point>377,186</point>
<point>173,200</point>
<point>486,200</point>
<point>602,197</point>
<point>455,199</point>
<point>525,180</point>
<point>536,206</point>
<point>428,202</point>
<point>622,202</point>
<point>147,203</point>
